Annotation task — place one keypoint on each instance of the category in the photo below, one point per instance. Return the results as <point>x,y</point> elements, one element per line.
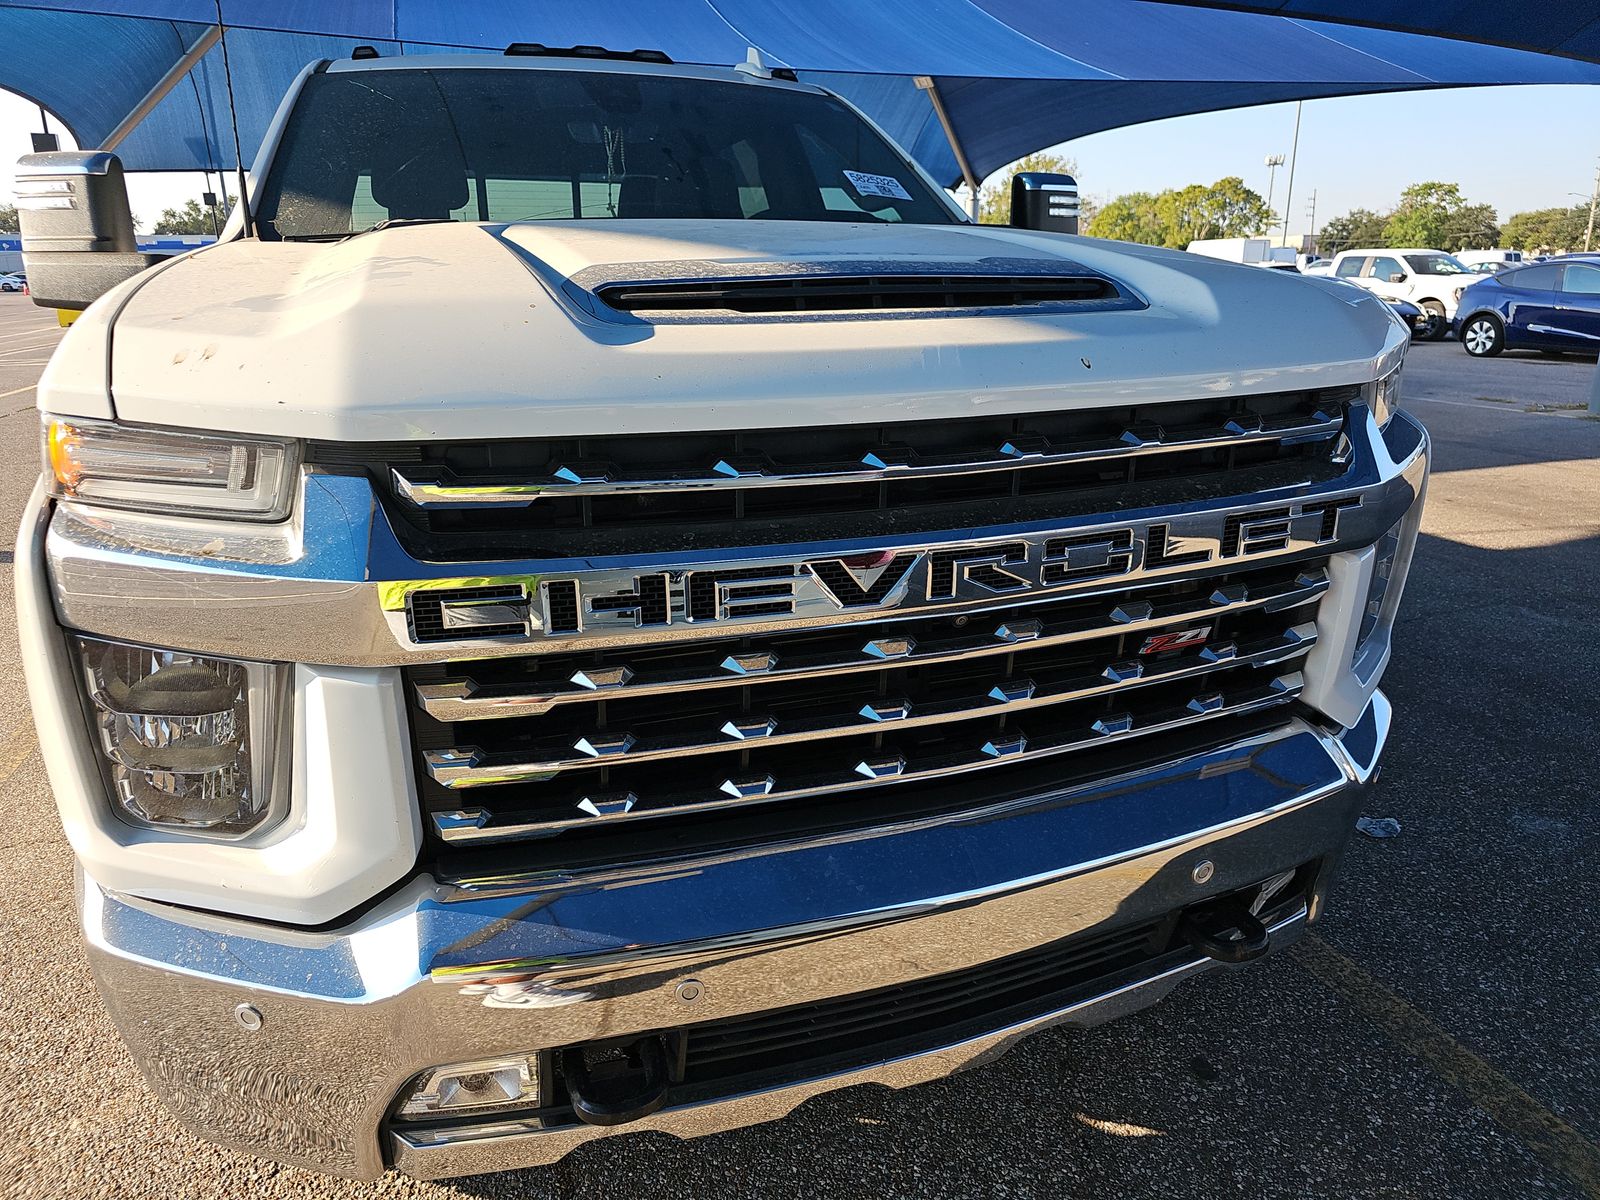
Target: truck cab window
<point>464,144</point>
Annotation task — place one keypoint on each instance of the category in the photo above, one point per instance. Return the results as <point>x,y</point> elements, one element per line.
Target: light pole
<point>1294,154</point>
<point>1588,234</point>
<point>1273,162</point>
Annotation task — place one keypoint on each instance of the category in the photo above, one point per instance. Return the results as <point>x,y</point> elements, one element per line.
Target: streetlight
<point>1273,162</point>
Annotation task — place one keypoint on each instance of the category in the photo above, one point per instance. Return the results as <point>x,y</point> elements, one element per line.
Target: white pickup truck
<point>604,603</point>
<point>1430,279</point>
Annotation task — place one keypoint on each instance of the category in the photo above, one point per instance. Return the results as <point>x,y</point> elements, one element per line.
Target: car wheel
<point>1483,336</point>
<point>1438,324</point>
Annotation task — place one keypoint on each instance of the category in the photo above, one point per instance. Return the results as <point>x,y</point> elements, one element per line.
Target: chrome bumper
<point>349,1016</point>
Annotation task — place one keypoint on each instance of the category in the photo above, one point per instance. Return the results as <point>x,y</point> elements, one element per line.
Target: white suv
<point>1430,279</point>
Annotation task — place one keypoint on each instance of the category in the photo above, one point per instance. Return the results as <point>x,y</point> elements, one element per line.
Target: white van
<point>1501,258</point>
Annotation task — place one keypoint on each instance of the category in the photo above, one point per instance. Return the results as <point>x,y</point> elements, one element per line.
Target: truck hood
<point>459,331</point>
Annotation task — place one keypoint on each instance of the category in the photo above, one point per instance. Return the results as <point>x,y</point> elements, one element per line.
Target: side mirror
<point>77,228</point>
<point>1044,201</point>
<point>1397,277</point>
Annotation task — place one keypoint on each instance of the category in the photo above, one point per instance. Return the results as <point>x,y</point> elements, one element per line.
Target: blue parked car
<point>1550,306</point>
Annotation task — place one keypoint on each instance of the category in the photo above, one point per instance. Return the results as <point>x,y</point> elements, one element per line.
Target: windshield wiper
<point>394,222</point>
<point>386,223</point>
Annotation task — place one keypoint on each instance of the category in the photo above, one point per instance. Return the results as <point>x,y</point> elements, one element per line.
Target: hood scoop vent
<point>701,290</point>
<point>856,293</point>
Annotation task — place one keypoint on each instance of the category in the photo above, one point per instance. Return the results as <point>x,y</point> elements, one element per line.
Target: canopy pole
<point>925,82</point>
<point>207,39</point>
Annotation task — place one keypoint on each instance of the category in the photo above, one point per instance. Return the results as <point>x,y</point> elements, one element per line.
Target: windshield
<point>1436,264</point>
<point>463,144</point>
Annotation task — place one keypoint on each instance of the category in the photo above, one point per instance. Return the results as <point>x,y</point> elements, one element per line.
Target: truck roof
<point>1392,250</point>
<point>559,62</point>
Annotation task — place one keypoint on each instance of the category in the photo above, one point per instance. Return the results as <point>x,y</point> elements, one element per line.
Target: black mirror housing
<point>1044,201</point>
<point>77,227</point>
<point>1397,277</point>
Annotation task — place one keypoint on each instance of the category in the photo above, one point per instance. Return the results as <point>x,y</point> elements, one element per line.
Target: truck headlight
<point>1386,397</point>
<point>168,471</point>
<point>188,742</point>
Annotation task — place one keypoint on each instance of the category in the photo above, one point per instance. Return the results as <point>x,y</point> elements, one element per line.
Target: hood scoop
<point>708,290</point>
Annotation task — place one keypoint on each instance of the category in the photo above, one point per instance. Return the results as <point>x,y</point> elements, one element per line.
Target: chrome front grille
<point>1028,450</point>
<point>532,746</point>
<point>629,494</point>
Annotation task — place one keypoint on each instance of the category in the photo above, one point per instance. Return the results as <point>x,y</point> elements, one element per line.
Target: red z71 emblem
<point>1178,639</point>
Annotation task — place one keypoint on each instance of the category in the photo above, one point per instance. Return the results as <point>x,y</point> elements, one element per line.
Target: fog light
<point>188,741</point>
<point>484,1086</point>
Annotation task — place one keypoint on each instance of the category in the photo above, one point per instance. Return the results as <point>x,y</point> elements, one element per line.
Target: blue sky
<point>1512,147</point>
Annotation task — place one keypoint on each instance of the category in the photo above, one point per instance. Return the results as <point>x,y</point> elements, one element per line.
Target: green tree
<point>192,218</point>
<point>994,202</point>
<point>1130,218</point>
<point>1225,209</point>
<point>1547,229</point>
<point>1436,215</point>
<point>1358,227</point>
<point>1179,216</point>
<point>8,219</point>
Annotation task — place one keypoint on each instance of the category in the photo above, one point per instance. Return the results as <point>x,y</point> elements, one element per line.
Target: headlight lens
<point>1386,397</point>
<point>159,470</point>
<point>188,742</point>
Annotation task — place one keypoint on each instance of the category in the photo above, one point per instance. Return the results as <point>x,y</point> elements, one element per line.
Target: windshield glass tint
<point>528,144</point>
<point>1436,264</point>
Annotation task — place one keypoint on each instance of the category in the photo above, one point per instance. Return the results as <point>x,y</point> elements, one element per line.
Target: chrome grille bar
<point>854,771</point>
<point>427,488</point>
<point>463,698</point>
<point>468,766</point>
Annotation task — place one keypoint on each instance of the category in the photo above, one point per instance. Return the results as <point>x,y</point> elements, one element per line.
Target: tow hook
<point>618,1084</point>
<point>1225,930</point>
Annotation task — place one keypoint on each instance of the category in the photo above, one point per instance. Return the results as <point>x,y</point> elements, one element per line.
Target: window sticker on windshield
<point>877,185</point>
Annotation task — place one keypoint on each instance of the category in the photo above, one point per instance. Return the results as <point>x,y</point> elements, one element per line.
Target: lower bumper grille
<point>519,748</point>
<point>770,1048</point>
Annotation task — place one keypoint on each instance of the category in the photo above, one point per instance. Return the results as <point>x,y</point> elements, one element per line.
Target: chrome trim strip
<point>427,489</point>
<point>463,698</point>
<point>478,826</point>
<point>334,586</point>
<point>444,1151</point>
<point>469,766</point>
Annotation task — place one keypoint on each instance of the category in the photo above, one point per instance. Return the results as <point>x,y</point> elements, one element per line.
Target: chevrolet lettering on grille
<point>823,588</point>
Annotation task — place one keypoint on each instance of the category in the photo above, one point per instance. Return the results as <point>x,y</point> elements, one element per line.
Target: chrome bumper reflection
<point>440,1153</point>
<point>349,1016</point>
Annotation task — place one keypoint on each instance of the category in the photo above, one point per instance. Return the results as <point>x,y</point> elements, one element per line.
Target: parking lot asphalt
<point>1438,1036</point>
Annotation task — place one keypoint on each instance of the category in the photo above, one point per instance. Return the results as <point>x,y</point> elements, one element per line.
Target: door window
<point>1582,281</point>
<point>1383,268</point>
<point>1542,278</point>
<point>1349,268</point>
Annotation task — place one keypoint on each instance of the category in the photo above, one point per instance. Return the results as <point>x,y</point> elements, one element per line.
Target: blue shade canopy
<point>1015,75</point>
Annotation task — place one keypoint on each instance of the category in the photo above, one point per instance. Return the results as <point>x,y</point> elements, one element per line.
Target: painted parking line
<point>1546,1136</point>
<point>18,391</point>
